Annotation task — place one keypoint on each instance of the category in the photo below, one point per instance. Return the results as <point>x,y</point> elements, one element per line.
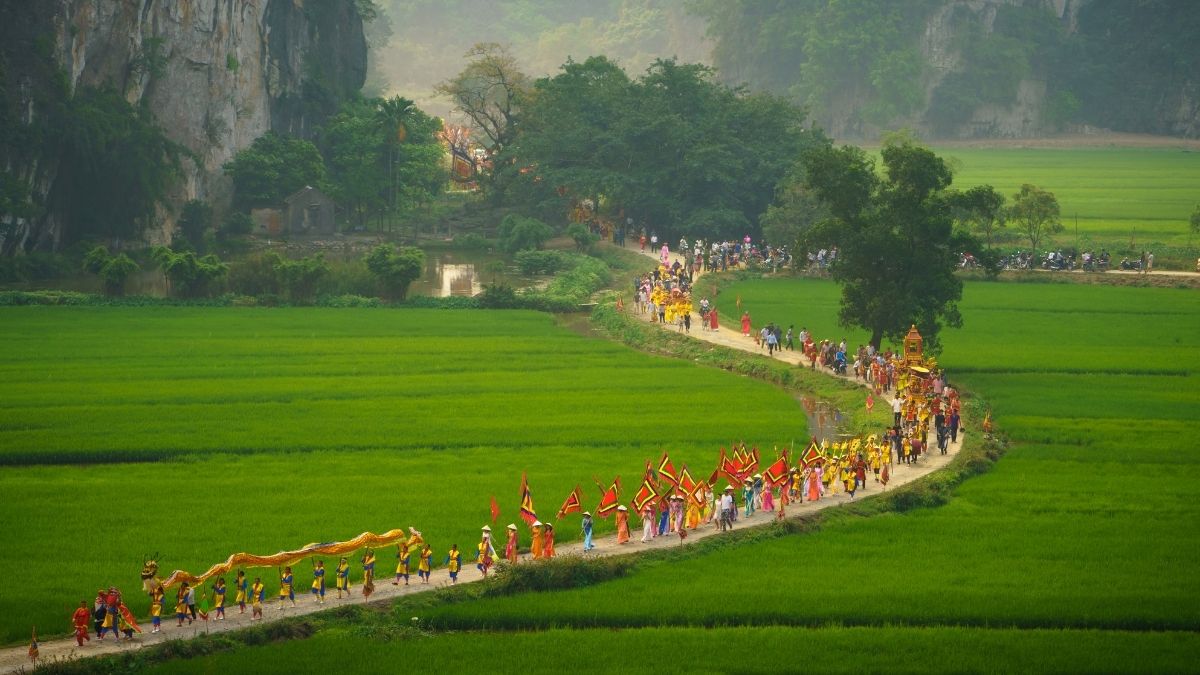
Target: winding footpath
<point>15,659</point>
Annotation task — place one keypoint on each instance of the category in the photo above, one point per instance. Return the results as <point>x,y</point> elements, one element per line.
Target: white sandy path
<point>14,659</point>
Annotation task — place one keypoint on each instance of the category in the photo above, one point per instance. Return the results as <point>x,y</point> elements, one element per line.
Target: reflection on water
<point>458,280</point>
<point>824,420</point>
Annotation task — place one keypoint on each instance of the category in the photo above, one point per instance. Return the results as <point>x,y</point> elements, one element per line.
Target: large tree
<point>896,246</point>
<point>273,167</point>
<point>489,91</point>
<point>1036,213</point>
<point>675,150</point>
<point>981,208</point>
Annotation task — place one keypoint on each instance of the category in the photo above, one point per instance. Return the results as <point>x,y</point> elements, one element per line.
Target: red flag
<point>696,494</point>
<point>732,469</point>
<point>527,512</point>
<point>611,499</point>
<point>495,509</point>
<point>812,454</point>
<point>685,479</point>
<point>750,465</point>
<point>667,470</point>
<point>777,472</point>
<point>573,504</point>
<point>644,496</point>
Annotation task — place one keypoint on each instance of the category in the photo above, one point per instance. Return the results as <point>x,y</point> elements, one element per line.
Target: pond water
<point>463,273</point>
<point>824,420</point>
<point>447,273</point>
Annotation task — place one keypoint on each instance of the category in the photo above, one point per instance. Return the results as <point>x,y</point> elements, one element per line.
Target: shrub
<point>540,262</point>
<point>518,233</point>
<point>112,270</point>
<point>584,239</point>
<point>395,268</point>
<point>190,276</point>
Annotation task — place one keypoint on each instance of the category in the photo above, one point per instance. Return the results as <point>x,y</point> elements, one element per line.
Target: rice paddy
<point>200,432</point>
<point>1115,195</point>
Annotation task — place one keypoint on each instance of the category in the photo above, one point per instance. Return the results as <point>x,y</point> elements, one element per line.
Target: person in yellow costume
<point>692,514</point>
<point>402,563</point>
<point>257,589</point>
<point>535,545</point>
<point>242,586</point>
<point>342,577</point>
<point>423,565</point>
<point>454,563</point>
<point>285,587</point>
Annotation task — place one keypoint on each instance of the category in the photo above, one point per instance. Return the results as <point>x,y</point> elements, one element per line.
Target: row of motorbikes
<point>1088,261</point>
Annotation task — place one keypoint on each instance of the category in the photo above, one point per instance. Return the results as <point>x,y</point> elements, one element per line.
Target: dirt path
<point>14,659</point>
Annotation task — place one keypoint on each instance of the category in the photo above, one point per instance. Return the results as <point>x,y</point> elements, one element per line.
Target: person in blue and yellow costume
<point>181,612</point>
<point>219,598</point>
<point>156,605</point>
<point>454,562</point>
<point>318,584</point>
<point>257,591</point>
<point>423,566</point>
<point>286,590</point>
<point>242,587</point>
<point>403,556</point>
<point>368,563</point>
<point>343,578</point>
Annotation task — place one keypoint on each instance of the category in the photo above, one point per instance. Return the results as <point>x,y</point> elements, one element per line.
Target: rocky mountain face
<point>215,74</point>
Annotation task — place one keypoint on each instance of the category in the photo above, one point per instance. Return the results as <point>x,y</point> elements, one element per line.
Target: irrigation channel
<point>58,647</point>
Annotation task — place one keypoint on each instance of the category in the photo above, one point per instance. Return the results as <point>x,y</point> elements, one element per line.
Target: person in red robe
<point>712,319</point>
<point>510,548</point>
<point>548,541</point>
<point>746,324</point>
<point>80,620</point>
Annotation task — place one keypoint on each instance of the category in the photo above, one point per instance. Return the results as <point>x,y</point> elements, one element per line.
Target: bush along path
<point>58,648</point>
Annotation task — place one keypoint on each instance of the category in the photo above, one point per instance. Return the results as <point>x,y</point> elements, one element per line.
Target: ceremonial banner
<point>527,512</point>
<point>696,494</point>
<point>645,495</point>
<point>611,499</point>
<point>777,472</point>
<point>685,480</point>
<point>811,455</point>
<point>495,509</point>
<point>750,462</point>
<point>731,468</point>
<point>667,470</point>
<point>573,504</point>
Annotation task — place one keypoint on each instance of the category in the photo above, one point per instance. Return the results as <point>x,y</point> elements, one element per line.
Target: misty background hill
<point>948,68</point>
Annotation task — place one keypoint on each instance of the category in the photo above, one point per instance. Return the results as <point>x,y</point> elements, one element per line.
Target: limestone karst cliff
<point>215,75</point>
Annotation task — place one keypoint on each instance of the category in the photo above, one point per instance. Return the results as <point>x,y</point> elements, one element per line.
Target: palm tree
<point>392,115</point>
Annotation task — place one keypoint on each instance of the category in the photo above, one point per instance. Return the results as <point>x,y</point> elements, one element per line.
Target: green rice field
<point>1116,194</point>
<point>767,649</point>
<point>199,432</point>
<point>1075,553</point>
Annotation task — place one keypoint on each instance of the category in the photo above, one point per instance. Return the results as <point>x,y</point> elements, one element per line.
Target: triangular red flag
<point>573,504</point>
<point>667,470</point>
<point>611,499</point>
<point>495,509</point>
